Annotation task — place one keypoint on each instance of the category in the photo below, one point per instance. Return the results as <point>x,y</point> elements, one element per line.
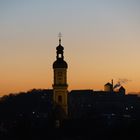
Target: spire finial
<point>59,35</point>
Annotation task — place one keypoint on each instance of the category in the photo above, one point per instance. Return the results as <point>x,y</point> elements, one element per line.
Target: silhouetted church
<point>79,103</point>
<point>36,113</point>
<point>60,92</point>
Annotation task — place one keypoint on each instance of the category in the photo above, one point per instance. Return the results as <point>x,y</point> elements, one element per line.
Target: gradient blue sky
<point>101,40</point>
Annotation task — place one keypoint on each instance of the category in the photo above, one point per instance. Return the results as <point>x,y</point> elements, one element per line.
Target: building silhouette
<point>40,112</point>
<point>60,85</point>
<point>78,102</point>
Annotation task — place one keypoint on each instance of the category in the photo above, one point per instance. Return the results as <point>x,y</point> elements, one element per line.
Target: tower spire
<point>60,85</point>
<point>60,36</point>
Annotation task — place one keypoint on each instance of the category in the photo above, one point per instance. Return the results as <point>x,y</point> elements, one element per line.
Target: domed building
<point>60,85</point>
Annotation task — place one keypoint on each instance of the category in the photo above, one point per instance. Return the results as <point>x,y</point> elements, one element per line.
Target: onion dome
<point>60,64</point>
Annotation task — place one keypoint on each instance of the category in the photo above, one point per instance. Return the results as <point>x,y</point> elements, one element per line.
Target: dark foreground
<point>74,130</point>
<point>32,115</point>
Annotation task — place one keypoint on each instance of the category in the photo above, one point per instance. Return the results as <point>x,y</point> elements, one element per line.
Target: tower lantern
<point>60,79</point>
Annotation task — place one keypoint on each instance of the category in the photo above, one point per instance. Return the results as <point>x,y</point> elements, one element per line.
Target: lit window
<point>59,55</point>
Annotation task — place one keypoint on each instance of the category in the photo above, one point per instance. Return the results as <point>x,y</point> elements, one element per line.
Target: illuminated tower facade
<point>60,79</point>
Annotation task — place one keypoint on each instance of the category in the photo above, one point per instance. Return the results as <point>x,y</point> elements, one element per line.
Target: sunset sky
<point>101,40</point>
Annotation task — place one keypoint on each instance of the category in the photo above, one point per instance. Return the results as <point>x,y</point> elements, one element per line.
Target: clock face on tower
<point>59,74</point>
<point>59,77</point>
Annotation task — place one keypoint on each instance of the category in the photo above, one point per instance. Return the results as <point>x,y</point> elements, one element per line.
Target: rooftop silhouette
<point>77,114</point>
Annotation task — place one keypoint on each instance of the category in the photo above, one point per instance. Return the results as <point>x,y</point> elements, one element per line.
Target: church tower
<point>60,85</point>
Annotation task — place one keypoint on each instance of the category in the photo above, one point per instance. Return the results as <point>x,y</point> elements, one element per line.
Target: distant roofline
<point>81,90</point>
